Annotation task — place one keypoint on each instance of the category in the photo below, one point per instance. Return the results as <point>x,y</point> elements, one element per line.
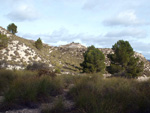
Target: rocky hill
<point>21,52</point>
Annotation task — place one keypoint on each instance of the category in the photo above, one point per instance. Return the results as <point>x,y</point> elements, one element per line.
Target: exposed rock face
<point>21,52</point>
<point>5,32</point>
<point>106,51</point>
<point>73,45</point>
<point>18,55</point>
<point>18,52</point>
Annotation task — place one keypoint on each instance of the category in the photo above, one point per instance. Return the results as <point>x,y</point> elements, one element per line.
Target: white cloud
<point>127,18</point>
<point>23,13</point>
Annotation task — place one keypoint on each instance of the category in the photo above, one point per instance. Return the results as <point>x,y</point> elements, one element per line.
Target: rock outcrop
<point>73,45</point>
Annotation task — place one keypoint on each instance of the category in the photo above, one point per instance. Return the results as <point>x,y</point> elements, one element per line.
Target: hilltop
<point>22,52</point>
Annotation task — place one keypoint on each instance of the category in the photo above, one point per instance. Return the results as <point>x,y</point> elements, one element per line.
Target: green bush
<point>57,71</point>
<point>93,60</point>
<point>3,41</point>
<point>39,44</point>
<point>123,61</point>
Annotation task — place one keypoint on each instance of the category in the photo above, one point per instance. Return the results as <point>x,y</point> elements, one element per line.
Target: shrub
<point>113,95</point>
<point>3,41</point>
<point>27,90</point>
<point>123,61</point>
<point>41,68</point>
<point>57,71</point>
<point>37,66</point>
<point>93,60</point>
<point>6,77</point>
<point>39,44</point>
<point>57,108</point>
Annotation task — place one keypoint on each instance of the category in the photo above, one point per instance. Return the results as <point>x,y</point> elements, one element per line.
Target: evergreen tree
<point>39,44</point>
<point>93,60</point>
<point>123,61</point>
<point>12,28</point>
<point>3,41</point>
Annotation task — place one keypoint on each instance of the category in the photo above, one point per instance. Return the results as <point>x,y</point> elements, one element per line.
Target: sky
<point>90,22</point>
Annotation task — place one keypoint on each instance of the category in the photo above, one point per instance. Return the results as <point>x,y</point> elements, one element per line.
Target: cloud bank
<point>23,13</point>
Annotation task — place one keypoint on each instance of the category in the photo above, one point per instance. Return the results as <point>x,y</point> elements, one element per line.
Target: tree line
<point>123,63</point>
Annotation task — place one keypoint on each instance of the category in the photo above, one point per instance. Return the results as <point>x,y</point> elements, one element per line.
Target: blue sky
<point>91,22</point>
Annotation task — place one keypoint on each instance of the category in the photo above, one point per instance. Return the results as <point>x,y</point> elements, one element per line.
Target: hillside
<point>21,52</point>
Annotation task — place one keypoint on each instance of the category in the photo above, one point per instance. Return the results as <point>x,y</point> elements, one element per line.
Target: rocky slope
<point>21,52</point>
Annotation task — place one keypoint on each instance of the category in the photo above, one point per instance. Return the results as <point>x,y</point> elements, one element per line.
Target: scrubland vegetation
<point>26,88</point>
<point>91,93</point>
<point>113,95</point>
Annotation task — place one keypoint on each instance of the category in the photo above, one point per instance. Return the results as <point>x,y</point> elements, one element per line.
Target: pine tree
<point>39,44</point>
<point>93,60</point>
<point>12,28</point>
<point>123,61</point>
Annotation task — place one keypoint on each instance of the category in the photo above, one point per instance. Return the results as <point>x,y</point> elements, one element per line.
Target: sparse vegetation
<point>93,60</point>
<point>3,41</point>
<point>57,71</point>
<point>37,66</point>
<point>58,107</point>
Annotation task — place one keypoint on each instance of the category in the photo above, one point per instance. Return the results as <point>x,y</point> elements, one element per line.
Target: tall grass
<point>27,89</point>
<point>32,89</point>
<point>7,76</point>
<point>91,93</point>
<point>114,95</point>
